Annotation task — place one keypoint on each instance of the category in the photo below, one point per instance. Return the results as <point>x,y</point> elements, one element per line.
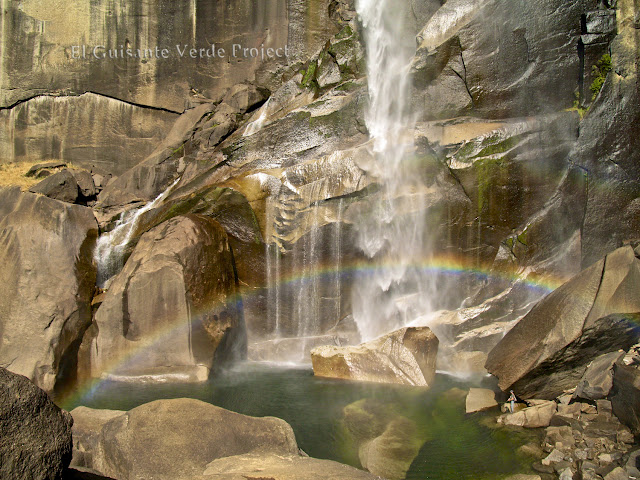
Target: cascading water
<point>110,248</point>
<point>393,234</point>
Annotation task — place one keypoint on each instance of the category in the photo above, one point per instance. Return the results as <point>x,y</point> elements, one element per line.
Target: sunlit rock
<point>176,439</point>
<point>479,399</point>
<point>406,356</point>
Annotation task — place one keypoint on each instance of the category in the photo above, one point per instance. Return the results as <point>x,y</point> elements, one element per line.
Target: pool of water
<point>454,445</point>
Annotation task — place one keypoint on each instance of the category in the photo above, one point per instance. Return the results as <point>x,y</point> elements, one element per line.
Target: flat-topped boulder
<point>406,356</point>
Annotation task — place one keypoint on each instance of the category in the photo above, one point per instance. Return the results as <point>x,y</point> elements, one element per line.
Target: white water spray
<point>110,248</point>
<point>392,235</point>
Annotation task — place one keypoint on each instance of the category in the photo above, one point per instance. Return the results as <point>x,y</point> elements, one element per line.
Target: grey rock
<point>244,97</point>
<point>549,349</point>
<point>280,467</point>
<point>35,435</point>
<point>59,186</point>
<point>617,473</point>
<point>633,465</point>
<point>85,183</point>
<point>176,439</point>
<point>531,417</point>
<point>48,280</point>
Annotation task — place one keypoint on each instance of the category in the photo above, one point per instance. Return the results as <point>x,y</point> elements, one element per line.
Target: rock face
<point>550,348</point>
<point>35,435</point>
<point>92,131</point>
<point>171,439</point>
<point>597,381</point>
<point>157,80</point>
<point>406,356</point>
<point>48,280</point>
<point>172,309</point>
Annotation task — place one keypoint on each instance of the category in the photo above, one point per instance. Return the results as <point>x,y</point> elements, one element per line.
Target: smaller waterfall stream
<point>111,246</point>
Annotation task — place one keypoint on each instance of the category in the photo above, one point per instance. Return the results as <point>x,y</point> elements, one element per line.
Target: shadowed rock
<point>35,435</point>
<point>48,279</point>
<point>549,349</point>
<point>59,186</point>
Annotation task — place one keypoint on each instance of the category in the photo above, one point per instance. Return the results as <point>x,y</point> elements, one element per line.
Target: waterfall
<point>110,248</point>
<point>396,290</point>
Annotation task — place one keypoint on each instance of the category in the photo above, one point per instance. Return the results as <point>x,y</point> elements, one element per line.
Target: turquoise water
<point>454,445</point>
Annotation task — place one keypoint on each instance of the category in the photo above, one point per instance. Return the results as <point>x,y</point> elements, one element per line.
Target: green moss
<point>346,32</point>
<point>310,74</point>
<point>348,87</point>
<point>600,71</point>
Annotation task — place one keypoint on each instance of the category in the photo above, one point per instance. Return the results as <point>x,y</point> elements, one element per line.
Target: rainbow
<point>441,265</point>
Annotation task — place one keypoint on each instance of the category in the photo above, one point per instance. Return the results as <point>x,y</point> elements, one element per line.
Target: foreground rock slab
<point>48,279</point>
<point>35,435</point>
<point>406,356</point>
<point>280,467</point>
<point>549,349</point>
<point>176,439</point>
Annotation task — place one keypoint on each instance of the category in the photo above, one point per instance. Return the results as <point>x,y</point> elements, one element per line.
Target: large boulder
<point>35,435</point>
<point>536,416</point>
<point>280,467</point>
<point>176,439</point>
<point>479,399</point>
<point>549,349</point>
<point>597,381</point>
<point>406,356</point>
<point>48,280</point>
<point>179,285</point>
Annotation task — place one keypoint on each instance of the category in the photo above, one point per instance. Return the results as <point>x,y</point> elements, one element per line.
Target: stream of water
<point>394,233</point>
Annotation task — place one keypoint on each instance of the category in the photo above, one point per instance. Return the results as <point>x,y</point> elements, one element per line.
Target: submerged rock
<point>176,439</point>
<point>35,435</point>
<point>386,442</point>
<point>179,286</point>
<point>48,279</point>
<point>549,349</point>
<point>406,356</point>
